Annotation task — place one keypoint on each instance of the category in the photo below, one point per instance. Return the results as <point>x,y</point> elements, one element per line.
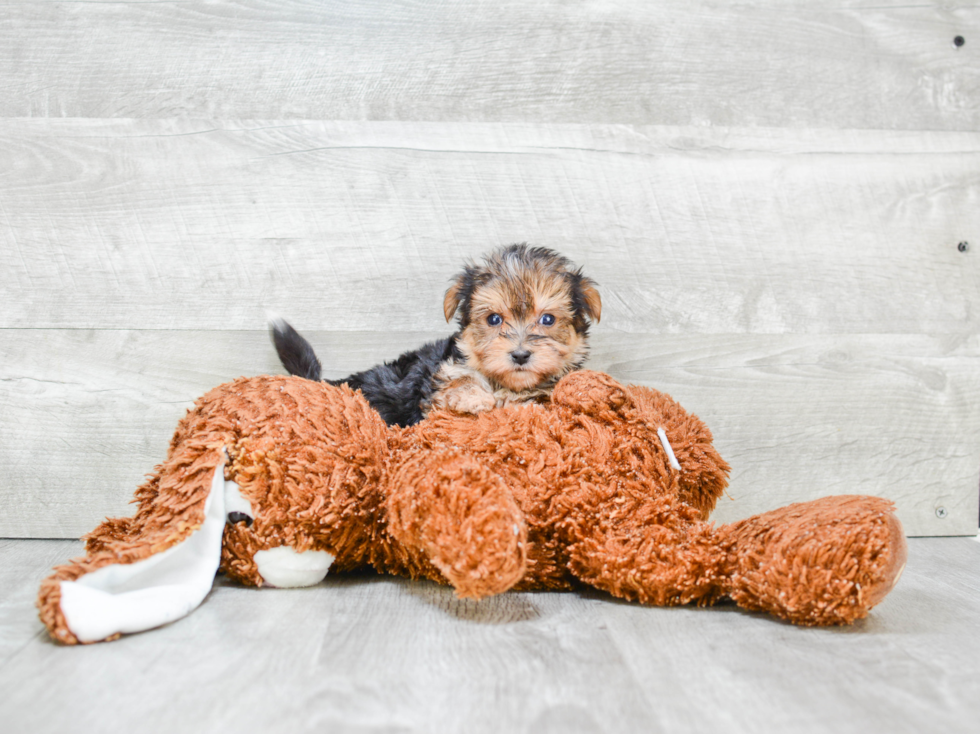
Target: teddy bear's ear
<point>127,586</point>
<point>590,392</point>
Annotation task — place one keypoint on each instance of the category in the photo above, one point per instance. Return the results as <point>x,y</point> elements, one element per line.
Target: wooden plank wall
<point>771,196</point>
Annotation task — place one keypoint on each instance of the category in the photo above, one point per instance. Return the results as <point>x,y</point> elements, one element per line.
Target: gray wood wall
<point>771,196</point>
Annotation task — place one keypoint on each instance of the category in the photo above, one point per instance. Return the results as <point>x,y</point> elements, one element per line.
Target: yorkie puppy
<point>524,316</point>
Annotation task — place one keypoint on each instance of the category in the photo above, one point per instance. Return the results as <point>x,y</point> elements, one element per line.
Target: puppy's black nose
<point>520,356</point>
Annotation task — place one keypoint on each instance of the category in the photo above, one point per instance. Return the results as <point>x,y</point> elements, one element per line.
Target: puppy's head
<point>524,316</point>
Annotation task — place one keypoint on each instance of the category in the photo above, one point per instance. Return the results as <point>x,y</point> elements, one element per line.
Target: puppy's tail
<point>295,353</point>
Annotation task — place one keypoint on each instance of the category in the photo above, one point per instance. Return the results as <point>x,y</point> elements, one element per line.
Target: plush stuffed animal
<point>277,479</point>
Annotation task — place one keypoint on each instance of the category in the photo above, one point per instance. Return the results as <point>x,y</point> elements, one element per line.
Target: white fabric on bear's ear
<point>286,568</point>
<point>139,596</point>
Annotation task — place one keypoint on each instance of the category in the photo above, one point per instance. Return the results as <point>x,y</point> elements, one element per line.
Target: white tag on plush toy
<point>139,596</point>
<point>667,447</point>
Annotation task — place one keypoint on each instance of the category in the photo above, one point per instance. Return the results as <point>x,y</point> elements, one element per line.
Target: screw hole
<point>959,41</point>
<point>963,246</point>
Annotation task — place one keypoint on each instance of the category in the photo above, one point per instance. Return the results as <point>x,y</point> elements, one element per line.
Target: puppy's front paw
<point>470,399</point>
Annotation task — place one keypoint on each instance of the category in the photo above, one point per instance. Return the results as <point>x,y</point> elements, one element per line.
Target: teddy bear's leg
<point>448,506</point>
<point>816,563</point>
<point>655,550</point>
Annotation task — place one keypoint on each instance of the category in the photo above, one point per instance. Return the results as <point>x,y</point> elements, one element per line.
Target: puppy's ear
<point>454,297</point>
<point>591,302</point>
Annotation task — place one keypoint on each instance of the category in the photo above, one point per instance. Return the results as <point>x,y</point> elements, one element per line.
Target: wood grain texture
<point>385,655</point>
<point>87,413</point>
<point>204,225</point>
<point>801,64</point>
<point>770,196</point>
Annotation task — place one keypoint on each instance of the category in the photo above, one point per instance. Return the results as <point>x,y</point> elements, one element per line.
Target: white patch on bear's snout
<point>285,568</point>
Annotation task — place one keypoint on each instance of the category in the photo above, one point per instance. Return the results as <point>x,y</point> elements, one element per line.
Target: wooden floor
<point>378,654</point>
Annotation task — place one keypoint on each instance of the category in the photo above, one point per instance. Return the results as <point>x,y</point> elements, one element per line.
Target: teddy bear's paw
<point>461,517</point>
<point>824,562</point>
<point>590,392</point>
<point>480,561</point>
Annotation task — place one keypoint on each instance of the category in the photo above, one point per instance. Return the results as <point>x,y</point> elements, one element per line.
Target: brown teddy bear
<point>278,479</point>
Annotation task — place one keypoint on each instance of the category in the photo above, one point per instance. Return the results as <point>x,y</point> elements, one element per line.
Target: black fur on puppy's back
<point>396,389</point>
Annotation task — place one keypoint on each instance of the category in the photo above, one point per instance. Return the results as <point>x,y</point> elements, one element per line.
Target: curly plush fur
<point>528,497</point>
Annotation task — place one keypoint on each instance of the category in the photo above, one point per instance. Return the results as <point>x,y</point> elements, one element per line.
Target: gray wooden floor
<point>378,654</point>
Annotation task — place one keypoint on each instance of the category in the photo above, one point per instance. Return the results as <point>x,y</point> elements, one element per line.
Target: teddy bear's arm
<point>590,392</point>
<point>450,508</point>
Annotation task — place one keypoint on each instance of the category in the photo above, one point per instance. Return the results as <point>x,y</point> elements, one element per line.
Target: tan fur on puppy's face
<point>523,299</point>
<point>524,317</point>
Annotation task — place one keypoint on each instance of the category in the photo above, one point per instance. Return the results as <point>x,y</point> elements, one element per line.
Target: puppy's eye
<point>547,320</point>
<point>495,319</point>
